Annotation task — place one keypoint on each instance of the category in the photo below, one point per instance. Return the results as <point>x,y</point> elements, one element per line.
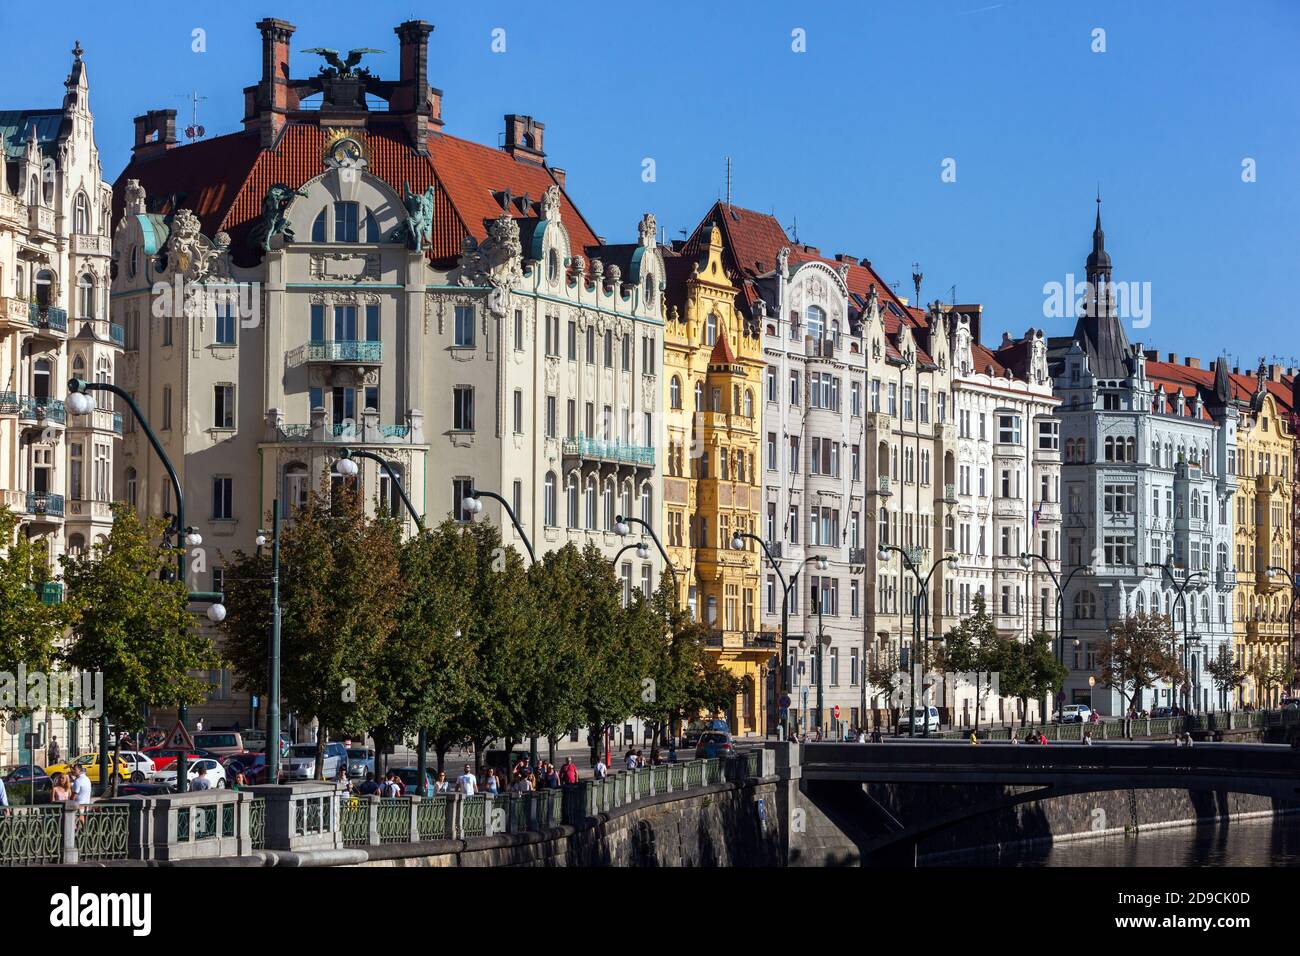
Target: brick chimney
<point>1151,355</point>
<point>419,104</point>
<point>155,132</point>
<point>1193,362</point>
<point>1275,373</point>
<point>845,257</point>
<point>1173,358</point>
<point>524,137</point>
<point>559,175</point>
<point>273,97</point>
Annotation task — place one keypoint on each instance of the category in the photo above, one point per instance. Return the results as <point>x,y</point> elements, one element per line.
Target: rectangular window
<point>167,408</point>
<point>460,489</point>
<point>794,388</point>
<point>1009,429</point>
<point>221,499</point>
<point>519,330</point>
<point>345,323</point>
<point>552,413</point>
<point>225,324</point>
<point>464,326</point>
<point>372,323</point>
<point>345,222</point>
<point>223,406</point>
<point>75,478</point>
<point>318,323</point>
<point>462,414</point>
<point>627,352</point>
<point>855,398</point>
<point>591,345</point>
<point>1048,435</point>
<point>518,408</point>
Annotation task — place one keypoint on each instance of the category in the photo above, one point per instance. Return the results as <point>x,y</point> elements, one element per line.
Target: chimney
<point>524,137</point>
<point>845,257</point>
<point>155,132</point>
<point>558,175</point>
<point>273,97</point>
<point>1151,355</point>
<point>1275,373</point>
<point>1173,358</point>
<point>413,97</point>
<point>811,250</point>
<point>1193,363</point>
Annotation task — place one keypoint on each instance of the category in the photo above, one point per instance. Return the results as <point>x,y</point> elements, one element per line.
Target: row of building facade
<point>344,272</point>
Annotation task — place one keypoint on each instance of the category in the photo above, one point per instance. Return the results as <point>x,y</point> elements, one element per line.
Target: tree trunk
<point>550,749</point>
<point>441,746</point>
<point>977,701</point>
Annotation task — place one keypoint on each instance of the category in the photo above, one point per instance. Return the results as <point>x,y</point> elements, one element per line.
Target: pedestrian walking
<point>53,755</point>
<point>467,783</point>
<point>570,774</point>
<point>974,739</point>
<point>491,783</point>
<point>1087,738</point>
<point>630,759</point>
<point>200,781</point>
<point>600,771</point>
<point>442,784</point>
<point>369,785</point>
<point>60,792</point>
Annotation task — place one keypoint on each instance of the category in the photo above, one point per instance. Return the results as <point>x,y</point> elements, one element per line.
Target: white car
<point>140,765</point>
<point>1075,714</point>
<point>215,773</point>
<point>924,716</point>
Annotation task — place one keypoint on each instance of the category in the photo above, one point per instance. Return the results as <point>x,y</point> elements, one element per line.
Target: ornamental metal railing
<point>594,449</point>
<point>344,350</point>
<point>33,409</point>
<point>102,833</point>
<point>31,835</point>
<point>48,317</point>
<point>38,504</point>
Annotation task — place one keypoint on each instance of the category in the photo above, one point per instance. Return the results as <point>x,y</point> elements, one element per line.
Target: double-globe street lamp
<point>80,403</point>
<point>922,600</point>
<point>738,544</point>
<point>1027,559</point>
<point>1181,590</point>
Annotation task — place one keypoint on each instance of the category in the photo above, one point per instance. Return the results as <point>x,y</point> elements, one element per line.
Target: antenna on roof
<point>794,230</point>
<point>728,182</point>
<point>194,130</point>
<point>953,294</point>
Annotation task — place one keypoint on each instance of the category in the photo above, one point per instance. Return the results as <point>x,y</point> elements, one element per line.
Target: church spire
<point>1099,330</point>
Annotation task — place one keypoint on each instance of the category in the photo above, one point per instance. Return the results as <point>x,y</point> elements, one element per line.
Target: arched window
<point>650,290</point>
<point>575,515</point>
<point>389,501</point>
<point>318,227</point>
<point>1139,603</point>
<point>815,316</point>
<point>45,287</point>
<point>609,505</point>
<point>81,215</point>
<point>591,504</point>
<point>553,265</point>
<point>710,329</point>
<point>86,297</point>
<point>647,504</point>
<point>626,508</point>
<point>103,375</point>
<point>295,486</point>
<point>372,228</point>
<point>76,544</point>
<point>41,380</point>
<point>675,392</point>
<point>548,501</point>
<point>749,403</point>
<point>699,396</point>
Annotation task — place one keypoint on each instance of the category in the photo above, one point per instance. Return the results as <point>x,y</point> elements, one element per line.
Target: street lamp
<point>79,402</point>
<point>1181,590</point>
<point>623,527</point>
<point>1027,559</point>
<point>922,599</point>
<point>472,505</point>
<point>738,544</point>
<point>1274,569</point>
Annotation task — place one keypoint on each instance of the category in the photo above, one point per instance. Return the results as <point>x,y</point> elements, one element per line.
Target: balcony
<point>1009,507</point>
<point>612,452</point>
<point>11,210</point>
<point>13,314</point>
<point>47,318</point>
<point>89,245</point>
<point>368,431</point>
<point>32,409</point>
<point>741,640</point>
<point>8,403</point>
<point>882,486</point>
<point>100,419</point>
<point>343,351</point>
<point>41,219</point>
<point>44,504</point>
<point>949,494</point>
<point>51,592</point>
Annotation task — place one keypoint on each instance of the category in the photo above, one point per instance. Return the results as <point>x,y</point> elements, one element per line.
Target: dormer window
<point>553,265</point>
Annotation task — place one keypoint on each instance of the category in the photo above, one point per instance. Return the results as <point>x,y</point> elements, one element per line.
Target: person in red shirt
<point>569,773</point>
<point>1042,737</point>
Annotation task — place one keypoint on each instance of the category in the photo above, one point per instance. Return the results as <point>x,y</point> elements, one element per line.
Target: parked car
<point>162,759</point>
<point>90,762</point>
<point>361,761</point>
<point>222,742</point>
<point>1075,714</point>
<point>215,773</point>
<point>1158,712</point>
<point>924,716</point>
<point>28,778</point>
<point>300,762</point>
<point>255,741</point>
<point>409,775</point>
<point>252,764</point>
<point>146,789</point>
<point>713,743</point>
<point>697,728</point>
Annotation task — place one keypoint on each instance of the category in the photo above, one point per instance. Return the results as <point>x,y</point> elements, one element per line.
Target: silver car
<point>300,763</point>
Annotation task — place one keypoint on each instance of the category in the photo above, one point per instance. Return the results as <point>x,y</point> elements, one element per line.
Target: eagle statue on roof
<point>339,67</point>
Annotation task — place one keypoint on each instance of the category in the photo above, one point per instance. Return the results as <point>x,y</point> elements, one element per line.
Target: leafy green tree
<point>1138,654</point>
<point>30,629</point>
<point>340,593</point>
<point>132,625</point>
<point>1227,672</point>
<point>973,646</point>
<point>1030,670</point>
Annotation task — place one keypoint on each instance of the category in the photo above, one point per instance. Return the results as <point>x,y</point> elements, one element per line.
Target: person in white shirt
<point>4,796</point>
<point>600,769</point>
<point>632,762</point>
<point>80,786</point>
<point>467,783</point>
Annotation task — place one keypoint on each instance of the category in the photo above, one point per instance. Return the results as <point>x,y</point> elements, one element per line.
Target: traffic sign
<point>835,711</point>
<point>179,740</point>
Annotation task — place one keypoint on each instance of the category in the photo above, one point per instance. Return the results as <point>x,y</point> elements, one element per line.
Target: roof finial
<point>77,50</point>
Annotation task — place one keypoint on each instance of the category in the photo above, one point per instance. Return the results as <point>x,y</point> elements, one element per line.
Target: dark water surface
<point>1262,842</point>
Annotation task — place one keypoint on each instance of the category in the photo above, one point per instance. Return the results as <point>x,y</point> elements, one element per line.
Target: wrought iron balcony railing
<point>615,451</point>
<point>343,350</point>
<point>33,409</point>
<point>47,317</point>
<point>44,504</point>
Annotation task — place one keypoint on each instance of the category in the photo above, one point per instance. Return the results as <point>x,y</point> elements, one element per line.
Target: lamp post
<point>623,527</point>
<point>348,468</point>
<point>1274,569</point>
<point>738,544</point>
<point>273,657</point>
<point>1181,590</point>
<point>80,403</point>
<point>923,591</point>
<point>1027,559</point>
<point>473,505</point>
<point>821,639</point>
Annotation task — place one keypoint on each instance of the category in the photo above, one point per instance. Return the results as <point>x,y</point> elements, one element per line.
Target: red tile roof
<point>224,180</point>
<point>722,354</point>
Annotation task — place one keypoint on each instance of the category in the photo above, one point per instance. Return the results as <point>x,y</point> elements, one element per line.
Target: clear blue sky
<point>847,138</point>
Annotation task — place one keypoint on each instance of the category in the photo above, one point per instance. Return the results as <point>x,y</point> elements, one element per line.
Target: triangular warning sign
<point>179,740</point>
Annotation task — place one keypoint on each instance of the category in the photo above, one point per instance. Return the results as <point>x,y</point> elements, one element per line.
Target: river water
<point>1255,842</point>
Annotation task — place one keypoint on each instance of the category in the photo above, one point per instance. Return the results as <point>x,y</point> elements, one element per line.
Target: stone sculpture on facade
<point>274,221</point>
<point>415,228</point>
<point>496,262</point>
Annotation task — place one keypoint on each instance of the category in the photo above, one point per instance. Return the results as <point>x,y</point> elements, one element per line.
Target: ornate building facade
<point>357,277</point>
<point>56,470</point>
<point>1148,478</point>
<point>713,372</point>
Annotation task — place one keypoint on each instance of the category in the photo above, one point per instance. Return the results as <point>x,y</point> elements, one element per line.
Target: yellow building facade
<point>713,368</point>
<point>1262,530</point>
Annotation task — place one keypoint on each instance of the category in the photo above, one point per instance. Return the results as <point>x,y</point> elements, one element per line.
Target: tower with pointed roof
<point>56,469</point>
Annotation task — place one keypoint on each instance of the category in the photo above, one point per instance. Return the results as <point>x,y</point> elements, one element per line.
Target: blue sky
<point>847,138</point>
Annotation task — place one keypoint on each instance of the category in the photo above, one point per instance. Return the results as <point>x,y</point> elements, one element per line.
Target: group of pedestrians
<point>70,787</point>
